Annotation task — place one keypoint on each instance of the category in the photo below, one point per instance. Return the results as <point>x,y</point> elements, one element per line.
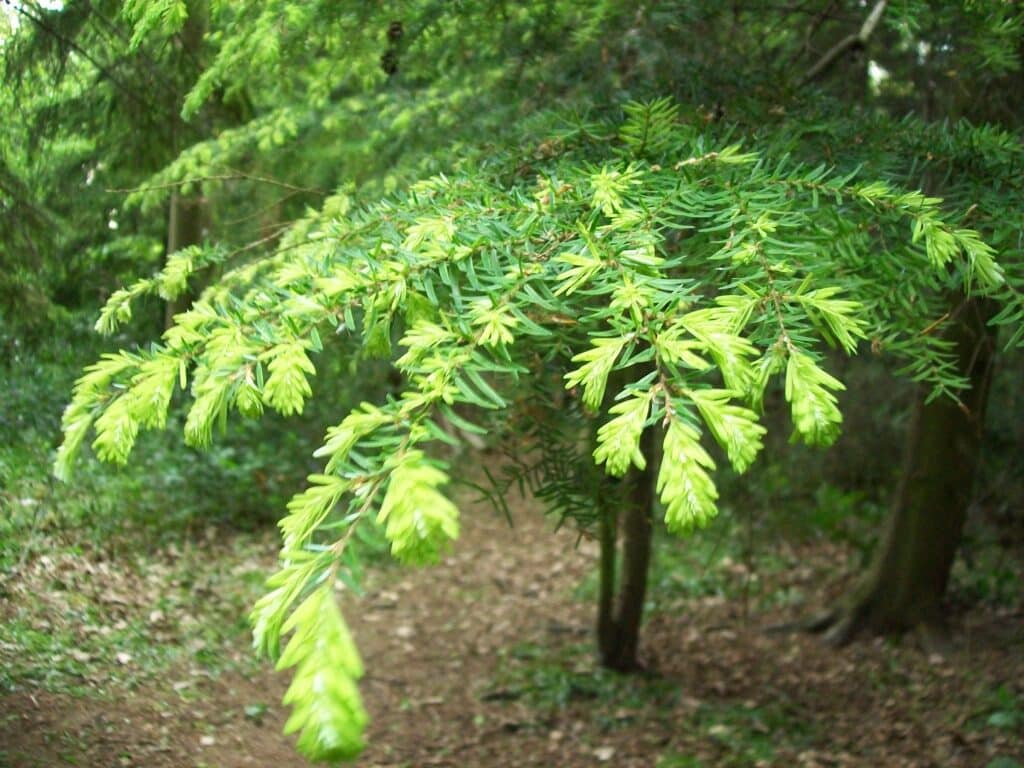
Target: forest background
<point>852,169</point>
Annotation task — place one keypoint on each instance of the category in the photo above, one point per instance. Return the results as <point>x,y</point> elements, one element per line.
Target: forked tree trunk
<point>622,590</point>
<point>905,586</point>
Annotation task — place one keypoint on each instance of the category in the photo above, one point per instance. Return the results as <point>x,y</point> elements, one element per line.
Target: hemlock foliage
<point>701,272</point>
<point>574,276</point>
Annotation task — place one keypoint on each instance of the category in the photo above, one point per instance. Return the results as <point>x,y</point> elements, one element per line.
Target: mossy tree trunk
<point>623,579</point>
<point>905,586</point>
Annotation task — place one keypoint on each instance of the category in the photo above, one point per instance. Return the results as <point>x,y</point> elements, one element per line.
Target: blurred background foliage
<point>259,112</point>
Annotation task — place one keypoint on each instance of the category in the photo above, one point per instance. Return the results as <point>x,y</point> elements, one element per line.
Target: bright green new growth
<point>327,709</point>
<point>695,273</point>
<point>418,519</point>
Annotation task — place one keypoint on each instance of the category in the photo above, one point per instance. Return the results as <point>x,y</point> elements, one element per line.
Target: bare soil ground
<point>482,661</point>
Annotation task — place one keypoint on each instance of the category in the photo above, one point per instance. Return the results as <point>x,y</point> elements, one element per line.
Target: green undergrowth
<point>1000,709</point>
<point>990,566</point>
<point>566,680</point>
<point>170,492</point>
<point>163,497</point>
<point>750,553</point>
<point>241,483</point>
<point>743,735</point>
<point>87,617</point>
<point>81,625</point>
<point>122,576</point>
<point>554,679</point>
<point>107,510</point>
<point>779,526</point>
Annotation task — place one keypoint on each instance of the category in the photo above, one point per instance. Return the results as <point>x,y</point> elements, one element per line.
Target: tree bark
<point>905,586</point>
<point>608,535</point>
<point>186,221</point>
<point>621,606</point>
<point>186,215</point>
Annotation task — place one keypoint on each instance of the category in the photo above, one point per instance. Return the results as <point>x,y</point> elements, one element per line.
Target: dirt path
<point>430,640</point>
<point>483,661</point>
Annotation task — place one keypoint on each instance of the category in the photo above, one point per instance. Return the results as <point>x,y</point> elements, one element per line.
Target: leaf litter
<point>484,661</point>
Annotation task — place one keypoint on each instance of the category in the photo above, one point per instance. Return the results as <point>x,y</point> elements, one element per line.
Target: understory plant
<point>610,305</point>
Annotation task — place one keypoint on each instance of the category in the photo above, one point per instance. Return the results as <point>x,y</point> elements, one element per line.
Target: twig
<point>932,326</point>
<point>858,39</point>
<point>819,19</point>
<point>232,175</point>
<point>260,211</point>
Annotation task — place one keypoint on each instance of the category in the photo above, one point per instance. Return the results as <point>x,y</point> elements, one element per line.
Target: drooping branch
<point>860,38</point>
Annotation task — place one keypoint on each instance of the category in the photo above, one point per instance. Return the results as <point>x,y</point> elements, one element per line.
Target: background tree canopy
<point>618,244</point>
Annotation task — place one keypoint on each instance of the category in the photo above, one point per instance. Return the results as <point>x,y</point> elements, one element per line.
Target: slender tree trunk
<point>905,586</point>
<point>608,535</point>
<point>187,215</point>
<point>621,606</point>
<point>186,220</point>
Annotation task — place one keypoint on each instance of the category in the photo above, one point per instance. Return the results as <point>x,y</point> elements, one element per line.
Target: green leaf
<point>716,328</point>
<point>210,406</point>
<point>117,310</point>
<point>609,185</point>
<point>152,388</point>
<point>309,508</point>
<point>982,266</point>
<point>76,424</point>
<point>287,388</point>
<point>420,339</point>
<point>839,315</point>
<point>631,296</point>
<point>429,229</point>
<point>326,707</point>
<point>299,570</point>
<point>650,127</point>
<point>686,488</point>
<point>377,334</point>
<point>815,409</point>
<point>598,362</point>
<point>165,16</point>
<point>419,520</point>
<point>497,323</point>
<point>618,440</point>
<point>673,350</point>
<point>116,430</point>
<point>582,267</point>
<point>173,279</point>
<point>341,439</point>
<point>735,428</point>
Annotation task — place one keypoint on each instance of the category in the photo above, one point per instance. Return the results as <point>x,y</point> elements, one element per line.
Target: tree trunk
<point>620,610</point>
<point>905,586</point>
<point>607,538</point>
<point>186,220</point>
<point>187,215</point>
